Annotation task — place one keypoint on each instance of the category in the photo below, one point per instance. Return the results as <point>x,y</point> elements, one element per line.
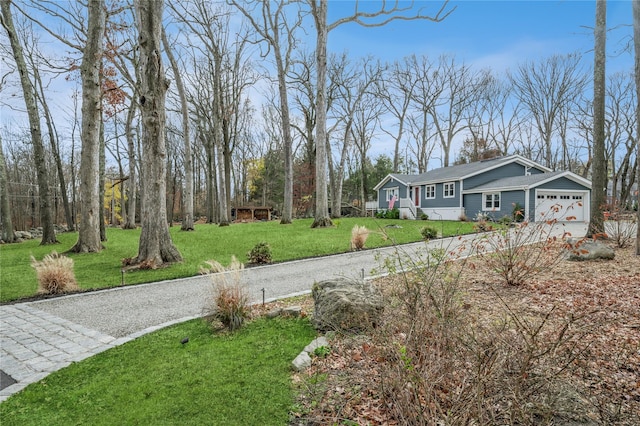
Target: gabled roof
<point>460,171</point>
<point>527,182</point>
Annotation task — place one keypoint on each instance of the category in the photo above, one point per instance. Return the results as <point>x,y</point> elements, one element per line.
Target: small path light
<point>122,277</point>
<point>262,290</point>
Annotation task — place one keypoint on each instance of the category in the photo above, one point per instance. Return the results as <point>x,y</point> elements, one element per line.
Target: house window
<point>391,192</point>
<point>430,192</point>
<point>491,201</point>
<point>449,190</point>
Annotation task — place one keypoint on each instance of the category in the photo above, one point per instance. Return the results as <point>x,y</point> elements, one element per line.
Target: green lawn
<point>215,379</point>
<point>288,242</point>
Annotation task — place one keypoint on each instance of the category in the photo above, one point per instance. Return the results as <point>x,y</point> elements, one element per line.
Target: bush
<point>429,233</point>
<point>260,253</point>
<point>507,371</point>
<point>230,301</point>
<point>359,235</point>
<point>506,220</point>
<point>424,216</point>
<point>517,213</point>
<point>388,214</point>
<point>55,274</point>
<point>520,253</point>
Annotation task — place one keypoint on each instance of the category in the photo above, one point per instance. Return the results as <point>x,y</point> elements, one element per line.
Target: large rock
<point>589,250</point>
<point>344,304</point>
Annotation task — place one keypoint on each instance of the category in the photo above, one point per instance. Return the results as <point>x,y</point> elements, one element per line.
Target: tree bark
<point>636,49</point>
<point>48,231</point>
<point>130,223</point>
<point>90,204</point>
<point>187,217</point>
<point>55,150</point>
<point>7,235</point>
<point>599,178</point>
<point>156,246</point>
<point>321,215</point>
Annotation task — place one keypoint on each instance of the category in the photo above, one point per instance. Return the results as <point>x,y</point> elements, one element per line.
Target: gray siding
<point>382,193</point>
<point>473,204</point>
<point>440,201</point>
<point>512,169</point>
<point>563,183</point>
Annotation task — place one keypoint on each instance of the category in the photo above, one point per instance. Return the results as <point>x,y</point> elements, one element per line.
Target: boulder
<point>315,344</point>
<point>302,361</point>
<point>344,304</point>
<point>589,250</point>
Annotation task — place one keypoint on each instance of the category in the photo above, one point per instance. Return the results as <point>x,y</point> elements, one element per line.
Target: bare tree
<point>156,246</point>
<point>367,19</point>
<point>187,218</point>
<point>6,228</point>
<point>461,89</point>
<point>48,231</point>
<point>279,33</point>
<point>546,87</point>
<point>599,178</point>
<point>636,51</point>
<point>396,91</point>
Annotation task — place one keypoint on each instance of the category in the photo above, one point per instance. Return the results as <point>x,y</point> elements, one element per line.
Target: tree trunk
<point>187,217</point>
<point>156,246</point>
<point>636,50</point>
<point>599,181</point>
<point>90,204</point>
<point>321,217</point>
<point>55,150</point>
<point>101,182</point>
<point>287,207</point>
<point>7,235</point>
<point>48,231</point>
<point>130,223</point>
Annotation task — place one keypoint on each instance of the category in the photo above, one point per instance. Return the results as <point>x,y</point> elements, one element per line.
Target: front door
<point>416,196</point>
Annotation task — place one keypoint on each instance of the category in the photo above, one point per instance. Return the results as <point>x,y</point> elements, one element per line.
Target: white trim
<point>443,213</point>
<point>388,178</point>
<point>585,202</point>
<point>569,175</point>
<point>515,158</point>
<point>391,190</point>
<point>426,192</point>
<point>493,201</point>
<point>444,190</point>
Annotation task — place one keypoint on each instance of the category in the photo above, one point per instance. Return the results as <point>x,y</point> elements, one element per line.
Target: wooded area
<point>254,116</point>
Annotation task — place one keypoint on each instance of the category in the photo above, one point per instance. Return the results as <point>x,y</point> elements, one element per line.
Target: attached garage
<point>562,195</point>
<point>562,205</point>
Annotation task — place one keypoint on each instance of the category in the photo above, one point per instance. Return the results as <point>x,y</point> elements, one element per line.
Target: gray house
<point>489,187</point>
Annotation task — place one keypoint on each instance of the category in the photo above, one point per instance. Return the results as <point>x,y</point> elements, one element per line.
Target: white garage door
<point>561,205</point>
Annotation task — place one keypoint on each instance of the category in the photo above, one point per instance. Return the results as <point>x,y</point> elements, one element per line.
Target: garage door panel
<point>560,205</point>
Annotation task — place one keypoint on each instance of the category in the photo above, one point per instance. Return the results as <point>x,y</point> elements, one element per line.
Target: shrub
<point>230,301</point>
<point>483,225</point>
<point>507,370</point>
<point>429,233</point>
<point>260,253</point>
<point>520,253</point>
<point>506,220</point>
<point>621,227</point>
<point>359,235</point>
<point>424,216</point>
<point>463,217</point>
<point>55,274</point>
<point>517,213</point>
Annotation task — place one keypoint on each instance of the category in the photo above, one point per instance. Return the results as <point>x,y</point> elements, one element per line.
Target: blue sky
<point>496,34</point>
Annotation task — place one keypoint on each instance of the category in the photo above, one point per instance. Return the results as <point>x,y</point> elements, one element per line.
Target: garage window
<point>491,201</point>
